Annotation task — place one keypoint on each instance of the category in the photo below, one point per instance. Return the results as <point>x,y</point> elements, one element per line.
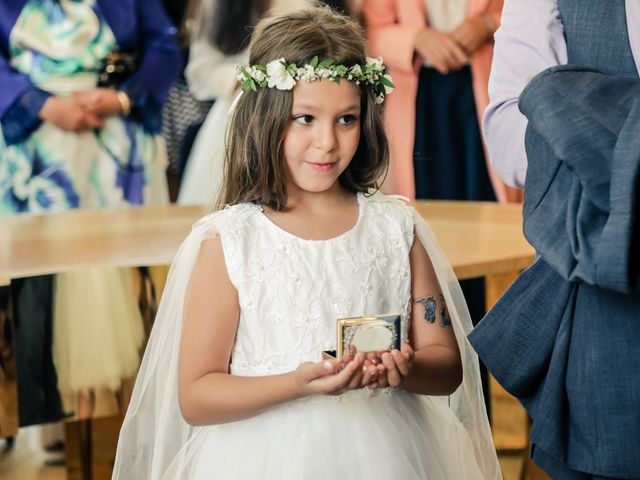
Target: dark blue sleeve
<point>159,67</point>
<point>583,179</point>
<point>20,103</point>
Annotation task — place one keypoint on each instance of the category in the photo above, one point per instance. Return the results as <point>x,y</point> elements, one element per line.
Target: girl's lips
<point>323,167</point>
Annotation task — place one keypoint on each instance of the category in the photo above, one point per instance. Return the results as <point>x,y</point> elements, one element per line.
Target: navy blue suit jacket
<point>565,338</point>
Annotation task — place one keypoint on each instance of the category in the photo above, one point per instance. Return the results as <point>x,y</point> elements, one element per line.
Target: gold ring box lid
<point>369,333</point>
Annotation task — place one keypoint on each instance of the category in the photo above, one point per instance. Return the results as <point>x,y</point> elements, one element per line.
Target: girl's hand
<point>369,370</point>
<point>394,366</point>
<point>473,33</point>
<point>441,50</point>
<point>330,377</point>
<point>67,114</point>
<point>99,101</point>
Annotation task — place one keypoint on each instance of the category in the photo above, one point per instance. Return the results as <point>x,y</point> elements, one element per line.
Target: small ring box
<point>369,333</point>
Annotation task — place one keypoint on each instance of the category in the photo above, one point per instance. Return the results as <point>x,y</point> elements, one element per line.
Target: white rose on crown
<point>278,75</point>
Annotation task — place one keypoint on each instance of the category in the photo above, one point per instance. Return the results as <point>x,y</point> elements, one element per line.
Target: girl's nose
<point>326,137</point>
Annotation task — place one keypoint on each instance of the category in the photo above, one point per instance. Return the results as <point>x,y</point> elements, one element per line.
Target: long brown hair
<point>254,166</point>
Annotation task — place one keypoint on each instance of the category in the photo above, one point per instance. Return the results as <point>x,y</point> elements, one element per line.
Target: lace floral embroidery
<point>291,291</point>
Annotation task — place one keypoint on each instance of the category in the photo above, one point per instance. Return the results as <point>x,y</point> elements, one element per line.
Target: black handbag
<point>117,67</point>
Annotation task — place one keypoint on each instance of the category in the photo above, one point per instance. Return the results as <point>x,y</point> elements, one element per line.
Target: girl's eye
<point>347,119</point>
<point>303,119</point>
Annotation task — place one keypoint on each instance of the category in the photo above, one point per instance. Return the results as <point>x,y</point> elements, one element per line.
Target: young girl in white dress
<point>233,384</point>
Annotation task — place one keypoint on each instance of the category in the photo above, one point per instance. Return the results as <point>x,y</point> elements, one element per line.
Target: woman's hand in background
<point>103,102</point>
<point>441,50</point>
<point>66,113</point>
<point>473,33</point>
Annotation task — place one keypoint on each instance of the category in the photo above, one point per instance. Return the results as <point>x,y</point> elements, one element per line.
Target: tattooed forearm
<point>429,305</point>
<point>445,319</point>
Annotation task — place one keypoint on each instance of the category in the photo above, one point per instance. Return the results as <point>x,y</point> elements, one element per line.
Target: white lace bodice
<point>292,290</point>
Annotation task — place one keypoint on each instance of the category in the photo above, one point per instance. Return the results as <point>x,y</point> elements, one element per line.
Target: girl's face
<point>322,135</point>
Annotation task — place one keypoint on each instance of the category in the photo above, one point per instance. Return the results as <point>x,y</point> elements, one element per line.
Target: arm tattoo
<point>429,305</point>
<point>445,319</point>
<point>430,309</point>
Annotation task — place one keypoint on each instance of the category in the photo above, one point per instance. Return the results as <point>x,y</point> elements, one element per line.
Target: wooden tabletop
<point>479,238</point>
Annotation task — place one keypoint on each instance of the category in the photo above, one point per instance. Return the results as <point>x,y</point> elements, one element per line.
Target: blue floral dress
<point>61,45</point>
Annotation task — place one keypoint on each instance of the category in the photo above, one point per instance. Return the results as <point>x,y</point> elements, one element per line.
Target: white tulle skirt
<point>394,435</point>
<point>98,331</point>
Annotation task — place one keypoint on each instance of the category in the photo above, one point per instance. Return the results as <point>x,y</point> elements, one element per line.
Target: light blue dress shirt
<point>530,40</point>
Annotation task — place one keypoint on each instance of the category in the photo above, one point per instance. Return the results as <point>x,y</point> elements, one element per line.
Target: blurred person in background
<point>439,53</point>
<point>183,114</point>
<point>82,84</point>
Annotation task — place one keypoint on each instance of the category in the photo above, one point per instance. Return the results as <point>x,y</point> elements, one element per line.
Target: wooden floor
<point>27,460</point>
<point>510,437</point>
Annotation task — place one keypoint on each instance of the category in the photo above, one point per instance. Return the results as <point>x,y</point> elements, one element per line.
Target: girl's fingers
<point>332,383</point>
<point>393,376</point>
<point>373,357</point>
<point>408,352</point>
<point>373,365</point>
<point>350,374</point>
<point>347,358</point>
<point>356,380</point>
<point>320,369</point>
<point>401,363</point>
<point>369,376</point>
<point>381,374</point>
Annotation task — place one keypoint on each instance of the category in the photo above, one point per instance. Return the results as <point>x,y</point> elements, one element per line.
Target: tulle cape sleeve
<point>154,434</point>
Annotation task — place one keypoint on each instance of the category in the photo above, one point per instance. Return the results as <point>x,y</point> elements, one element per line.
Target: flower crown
<point>283,75</point>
